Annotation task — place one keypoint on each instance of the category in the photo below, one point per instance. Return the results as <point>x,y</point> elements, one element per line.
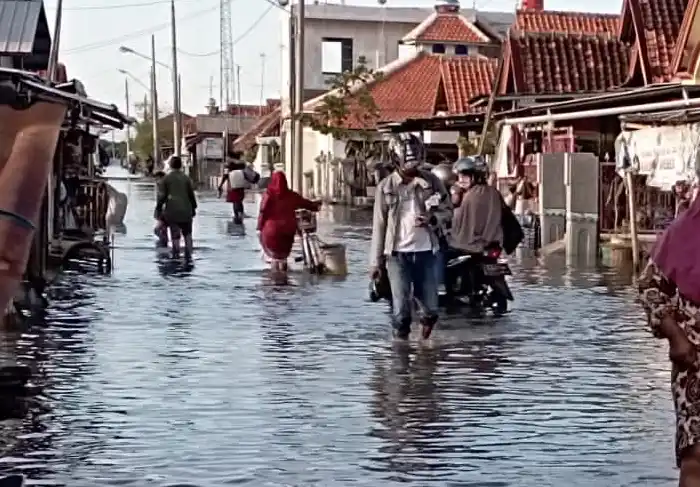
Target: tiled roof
<point>567,63</point>
<point>446,27</point>
<point>660,21</point>
<point>465,78</point>
<point>541,21</point>
<point>408,92</point>
<point>411,90</point>
<point>686,53</point>
<point>265,126</point>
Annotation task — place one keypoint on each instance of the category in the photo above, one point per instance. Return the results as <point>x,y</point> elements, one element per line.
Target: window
<point>336,55</point>
<point>461,50</point>
<point>438,48</point>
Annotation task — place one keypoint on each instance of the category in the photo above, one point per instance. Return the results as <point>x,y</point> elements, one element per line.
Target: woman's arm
<point>659,299</point>
<point>302,203</point>
<point>224,178</point>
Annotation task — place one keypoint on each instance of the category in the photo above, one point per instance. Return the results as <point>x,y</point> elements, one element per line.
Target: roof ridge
<point>420,28</point>
<point>474,28</point>
<point>567,12</point>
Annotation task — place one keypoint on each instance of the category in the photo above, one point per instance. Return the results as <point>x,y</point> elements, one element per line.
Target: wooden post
<point>632,205</point>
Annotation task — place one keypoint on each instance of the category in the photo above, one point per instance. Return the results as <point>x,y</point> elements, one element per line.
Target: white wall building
<point>392,40</point>
<point>336,35</point>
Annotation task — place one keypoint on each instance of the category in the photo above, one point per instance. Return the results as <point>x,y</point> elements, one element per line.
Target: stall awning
<point>664,154</point>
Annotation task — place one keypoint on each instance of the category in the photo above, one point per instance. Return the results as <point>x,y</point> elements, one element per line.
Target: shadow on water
<point>212,375</point>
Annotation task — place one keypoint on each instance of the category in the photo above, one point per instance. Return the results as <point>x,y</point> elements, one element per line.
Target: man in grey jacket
<point>404,242</point>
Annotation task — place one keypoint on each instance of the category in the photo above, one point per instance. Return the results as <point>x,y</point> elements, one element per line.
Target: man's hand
<point>375,272</point>
<point>681,351</point>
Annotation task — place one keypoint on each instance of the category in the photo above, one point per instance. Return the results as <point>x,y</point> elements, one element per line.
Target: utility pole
<point>239,121</point>
<point>128,129</point>
<point>177,134</point>
<point>262,82</point>
<point>154,104</point>
<point>298,160</point>
<point>291,153</point>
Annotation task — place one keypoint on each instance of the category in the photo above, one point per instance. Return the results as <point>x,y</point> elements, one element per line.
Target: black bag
<point>513,233</point>
<point>380,288</point>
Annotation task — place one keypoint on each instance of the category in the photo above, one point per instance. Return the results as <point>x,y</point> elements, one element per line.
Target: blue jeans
<point>440,263</point>
<point>413,271</point>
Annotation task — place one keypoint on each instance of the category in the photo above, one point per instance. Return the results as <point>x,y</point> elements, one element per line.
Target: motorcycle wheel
<point>500,305</point>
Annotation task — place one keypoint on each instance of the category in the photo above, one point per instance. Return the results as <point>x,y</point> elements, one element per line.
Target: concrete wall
<point>582,176</point>
<point>363,24</point>
<point>552,197</point>
<point>569,203</point>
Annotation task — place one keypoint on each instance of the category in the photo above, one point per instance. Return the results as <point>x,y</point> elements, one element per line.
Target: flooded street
<point>212,376</point>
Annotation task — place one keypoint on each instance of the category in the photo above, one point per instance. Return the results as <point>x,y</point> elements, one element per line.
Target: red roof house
<point>442,76</point>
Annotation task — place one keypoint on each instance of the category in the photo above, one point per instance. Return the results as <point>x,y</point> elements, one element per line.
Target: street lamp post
<point>299,92</point>
<point>154,105</point>
<point>177,129</point>
<point>128,130</point>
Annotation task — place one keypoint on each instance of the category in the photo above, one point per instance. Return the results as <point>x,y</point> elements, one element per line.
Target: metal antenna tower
<point>227,66</point>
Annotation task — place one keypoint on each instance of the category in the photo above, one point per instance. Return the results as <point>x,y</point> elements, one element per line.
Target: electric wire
<point>131,35</point>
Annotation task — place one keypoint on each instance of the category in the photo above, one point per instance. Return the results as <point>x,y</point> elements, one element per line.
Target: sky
<point>93,30</point>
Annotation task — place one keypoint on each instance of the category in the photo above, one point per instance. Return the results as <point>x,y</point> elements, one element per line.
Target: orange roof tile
<point>451,28</point>
<point>568,63</point>
<point>265,126</point>
<point>447,27</point>
<point>528,20</point>
<point>465,78</point>
<point>660,22</point>
<point>411,91</point>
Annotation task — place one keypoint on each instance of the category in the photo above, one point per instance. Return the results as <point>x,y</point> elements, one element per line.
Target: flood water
<point>161,375</point>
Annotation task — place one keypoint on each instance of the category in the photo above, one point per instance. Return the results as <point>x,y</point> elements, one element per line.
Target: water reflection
<point>213,375</point>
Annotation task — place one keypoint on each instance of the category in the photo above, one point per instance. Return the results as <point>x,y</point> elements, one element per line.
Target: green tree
<point>142,142</point>
<point>469,146</point>
<point>348,103</point>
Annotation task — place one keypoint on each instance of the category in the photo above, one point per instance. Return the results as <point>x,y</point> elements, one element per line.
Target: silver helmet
<point>444,173</point>
<point>406,150</point>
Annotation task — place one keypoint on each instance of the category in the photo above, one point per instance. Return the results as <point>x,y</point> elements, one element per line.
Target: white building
<point>435,64</point>
<point>336,35</point>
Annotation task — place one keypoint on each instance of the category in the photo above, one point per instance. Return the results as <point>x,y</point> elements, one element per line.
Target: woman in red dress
<point>277,221</point>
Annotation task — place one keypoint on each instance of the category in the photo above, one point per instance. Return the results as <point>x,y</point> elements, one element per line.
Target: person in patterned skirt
<point>669,290</point>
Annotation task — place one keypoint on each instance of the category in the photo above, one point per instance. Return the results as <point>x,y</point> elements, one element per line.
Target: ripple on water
<point>210,376</point>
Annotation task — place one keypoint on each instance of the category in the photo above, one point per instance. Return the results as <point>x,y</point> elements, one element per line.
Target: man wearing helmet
<point>404,241</point>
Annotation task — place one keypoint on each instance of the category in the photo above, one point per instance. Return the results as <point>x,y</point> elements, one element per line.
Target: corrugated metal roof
<point>18,25</point>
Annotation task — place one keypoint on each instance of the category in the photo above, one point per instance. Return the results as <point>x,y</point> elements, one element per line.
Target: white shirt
<point>236,179</point>
<point>410,238</point>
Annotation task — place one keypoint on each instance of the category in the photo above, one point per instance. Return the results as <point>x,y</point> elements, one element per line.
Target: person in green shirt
<point>177,205</point>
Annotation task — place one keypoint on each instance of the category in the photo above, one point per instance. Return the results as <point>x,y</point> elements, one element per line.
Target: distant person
<point>161,227</point>
<point>178,205</point>
<point>669,290</point>
<point>277,222</point>
<point>237,178</point>
<point>150,165</point>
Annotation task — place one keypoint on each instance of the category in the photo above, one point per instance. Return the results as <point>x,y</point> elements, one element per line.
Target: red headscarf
<point>677,252</point>
<point>278,184</point>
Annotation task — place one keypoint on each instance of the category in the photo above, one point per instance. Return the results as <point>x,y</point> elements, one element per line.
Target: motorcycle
<point>478,280</point>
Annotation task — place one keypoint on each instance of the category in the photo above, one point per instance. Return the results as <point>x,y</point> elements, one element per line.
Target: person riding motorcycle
<point>477,217</point>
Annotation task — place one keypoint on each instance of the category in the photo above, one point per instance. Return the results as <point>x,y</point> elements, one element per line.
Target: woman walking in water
<point>670,293</point>
<point>277,221</point>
